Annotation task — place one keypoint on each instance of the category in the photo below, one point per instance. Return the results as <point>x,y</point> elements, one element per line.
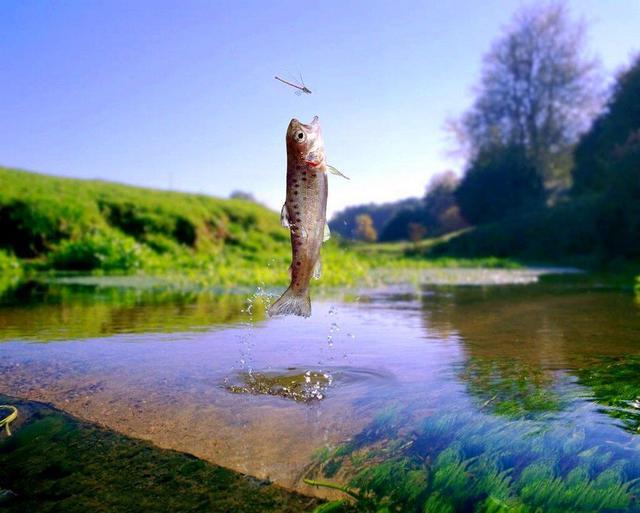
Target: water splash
<point>260,298</point>
<point>307,386</point>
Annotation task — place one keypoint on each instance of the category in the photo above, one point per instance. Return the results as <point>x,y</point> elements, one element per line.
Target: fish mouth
<point>313,126</point>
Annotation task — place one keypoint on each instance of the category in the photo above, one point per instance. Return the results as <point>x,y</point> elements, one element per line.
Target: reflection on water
<point>440,398</point>
<point>57,312</point>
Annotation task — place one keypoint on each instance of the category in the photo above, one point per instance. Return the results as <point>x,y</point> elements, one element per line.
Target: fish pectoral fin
<point>284,216</point>
<point>317,269</point>
<point>327,233</point>
<point>334,171</point>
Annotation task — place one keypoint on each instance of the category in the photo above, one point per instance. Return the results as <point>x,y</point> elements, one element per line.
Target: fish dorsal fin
<point>327,233</point>
<point>284,216</point>
<point>334,171</point>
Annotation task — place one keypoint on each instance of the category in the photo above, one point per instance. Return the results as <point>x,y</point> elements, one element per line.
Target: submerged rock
<point>301,387</point>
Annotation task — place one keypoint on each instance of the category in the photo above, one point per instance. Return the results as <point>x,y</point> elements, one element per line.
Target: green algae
<point>56,463</point>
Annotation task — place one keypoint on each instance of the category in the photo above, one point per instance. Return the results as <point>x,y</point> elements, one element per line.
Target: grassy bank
<point>62,224</point>
<point>54,462</point>
<point>582,233</point>
<point>80,225</point>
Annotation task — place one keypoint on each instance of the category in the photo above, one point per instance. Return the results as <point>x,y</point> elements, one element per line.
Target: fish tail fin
<point>292,303</point>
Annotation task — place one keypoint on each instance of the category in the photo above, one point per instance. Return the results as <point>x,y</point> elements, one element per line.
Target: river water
<point>521,373</point>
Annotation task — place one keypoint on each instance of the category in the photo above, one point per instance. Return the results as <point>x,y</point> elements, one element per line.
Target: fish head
<point>305,142</point>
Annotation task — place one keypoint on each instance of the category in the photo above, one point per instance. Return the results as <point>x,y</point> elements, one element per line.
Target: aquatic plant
<point>615,384</point>
<point>464,462</point>
<point>511,388</point>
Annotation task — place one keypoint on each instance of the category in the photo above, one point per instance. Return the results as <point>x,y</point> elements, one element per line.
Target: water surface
<point>512,373</point>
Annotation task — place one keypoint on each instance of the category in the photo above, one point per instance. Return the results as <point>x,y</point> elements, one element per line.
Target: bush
<point>103,251</point>
<point>9,264</point>
<point>10,271</point>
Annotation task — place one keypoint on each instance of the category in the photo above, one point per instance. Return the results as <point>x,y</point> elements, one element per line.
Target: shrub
<point>10,271</point>
<point>107,252</point>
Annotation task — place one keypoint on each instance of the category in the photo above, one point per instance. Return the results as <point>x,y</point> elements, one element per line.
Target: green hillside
<point>38,212</point>
<point>64,224</point>
<point>81,225</point>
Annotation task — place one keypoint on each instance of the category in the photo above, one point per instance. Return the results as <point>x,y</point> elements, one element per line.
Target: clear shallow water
<point>508,374</point>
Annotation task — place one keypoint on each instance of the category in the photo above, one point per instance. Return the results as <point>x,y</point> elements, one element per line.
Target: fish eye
<point>300,136</point>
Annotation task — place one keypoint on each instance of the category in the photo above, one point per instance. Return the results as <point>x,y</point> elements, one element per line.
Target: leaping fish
<point>304,212</point>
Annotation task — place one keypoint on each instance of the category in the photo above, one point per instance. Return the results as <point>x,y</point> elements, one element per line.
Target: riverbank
<point>51,224</point>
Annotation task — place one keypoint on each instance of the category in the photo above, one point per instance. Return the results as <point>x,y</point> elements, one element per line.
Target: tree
<point>538,92</point>
<point>364,228</point>
<point>397,228</point>
<point>608,168</point>
<point>442,214</point>
<point>344,222</point>
<point>600,149</point>
<point>438,214</point>
<point>500,181</point>
<point>417,232</point>
<point>242,195</point>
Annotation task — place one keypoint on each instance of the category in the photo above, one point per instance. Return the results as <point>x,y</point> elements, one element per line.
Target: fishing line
<point>9,418</point>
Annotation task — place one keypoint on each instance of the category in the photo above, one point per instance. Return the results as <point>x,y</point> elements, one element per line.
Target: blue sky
<point>181,94</point>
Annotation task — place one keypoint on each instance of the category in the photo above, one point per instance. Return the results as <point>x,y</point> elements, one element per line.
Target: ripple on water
<point>302,385</point>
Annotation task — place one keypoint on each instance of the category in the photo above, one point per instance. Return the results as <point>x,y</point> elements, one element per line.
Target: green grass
<point>63,224</point>
<point>11,272</point>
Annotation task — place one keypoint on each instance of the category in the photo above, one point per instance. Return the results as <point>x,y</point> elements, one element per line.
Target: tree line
<point>541,136</point>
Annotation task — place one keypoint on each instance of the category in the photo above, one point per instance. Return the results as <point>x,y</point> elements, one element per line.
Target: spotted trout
<point>304,213</point>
